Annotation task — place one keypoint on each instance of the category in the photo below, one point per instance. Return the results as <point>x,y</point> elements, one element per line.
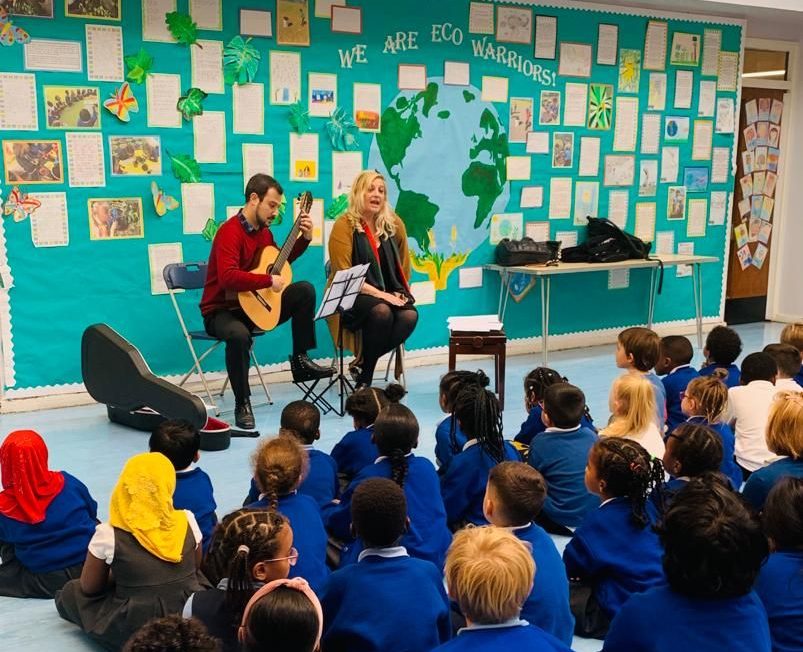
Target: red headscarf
<point>28,485</point>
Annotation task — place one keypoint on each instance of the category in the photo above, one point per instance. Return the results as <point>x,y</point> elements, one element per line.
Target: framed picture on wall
<point>72,107</point>
<point>514,25</point>
<point>292,22</point>
<point>33,161</point>
<point>685,49</point>
<point>98,9</point>
<point>33,8</point>
<point>115,218</point>
<point>136,155</point>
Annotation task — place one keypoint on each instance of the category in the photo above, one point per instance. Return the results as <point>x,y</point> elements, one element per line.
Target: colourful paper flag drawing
<point>162,202</point>
<point>122,102</point>
<point>20,204</point>
<point>10,33</point>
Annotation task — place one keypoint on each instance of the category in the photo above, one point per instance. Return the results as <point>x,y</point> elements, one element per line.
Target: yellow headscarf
<point>142,504</point>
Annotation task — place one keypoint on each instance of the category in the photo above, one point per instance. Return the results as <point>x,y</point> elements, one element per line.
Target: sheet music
<point>343,291</point>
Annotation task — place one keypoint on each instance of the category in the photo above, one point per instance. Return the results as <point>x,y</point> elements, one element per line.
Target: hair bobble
<point>243,548</point>
<point>635,466</point>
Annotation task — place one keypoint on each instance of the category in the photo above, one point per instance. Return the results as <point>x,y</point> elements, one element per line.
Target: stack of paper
<point>475,323</point>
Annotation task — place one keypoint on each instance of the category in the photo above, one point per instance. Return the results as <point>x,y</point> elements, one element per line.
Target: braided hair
<point>365,404</point>
<point>628,472</point>
<point>451,385</point>
<point>280,463</point>
<point>396,434</point>
<point>696,448</point>
<point>536,382</point>
<point>480,417</point>
<point>710,393</point>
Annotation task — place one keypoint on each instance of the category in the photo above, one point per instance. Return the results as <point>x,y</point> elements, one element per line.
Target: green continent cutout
<point>486,180</point>
<point>418,214</point>
<point>468,96</point>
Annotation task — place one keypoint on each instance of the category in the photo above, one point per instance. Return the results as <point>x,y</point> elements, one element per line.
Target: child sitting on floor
<point>46,520</point>
<point>632,403</point>
<point>449,438</point>
<point>787,358</point>
<point>407,592</point>
<point>793,334</point>
<point>513,500</point>
<point>489,574</point>
<point>722,347</point>
<point>172,634</point>
<point>615,552</point>
<point>180,442</point>
<point>674,365</point>
<point>638,350</point>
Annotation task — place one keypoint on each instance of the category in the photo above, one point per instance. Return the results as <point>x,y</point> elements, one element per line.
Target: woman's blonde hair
<point>489,573</point>
<point>784,433</point>
<point>636,409</point>
<point>711,394</point>
<point>280,463</point>
<point>385,220</point>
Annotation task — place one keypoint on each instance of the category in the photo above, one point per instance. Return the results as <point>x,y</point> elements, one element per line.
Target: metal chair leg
<point>261,379</point>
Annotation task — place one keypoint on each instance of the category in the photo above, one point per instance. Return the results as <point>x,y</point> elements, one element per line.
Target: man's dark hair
<point>724,345</point>
<point>260,184</point>
<point>303,418</point>
<point>677,348</point>
<point>564,404</point>
<point>178,440</point>
<point>379,512</point>
<point>787,357</point>
<point>758,366</point>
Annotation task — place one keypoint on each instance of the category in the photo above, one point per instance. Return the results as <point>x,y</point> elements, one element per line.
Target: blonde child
<point>632,404</point>
<point>793,334</point>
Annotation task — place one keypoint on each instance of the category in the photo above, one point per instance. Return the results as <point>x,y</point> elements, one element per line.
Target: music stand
<point>338,298</point>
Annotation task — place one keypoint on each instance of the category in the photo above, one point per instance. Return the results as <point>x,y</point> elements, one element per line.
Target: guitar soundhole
<point>270,269</point>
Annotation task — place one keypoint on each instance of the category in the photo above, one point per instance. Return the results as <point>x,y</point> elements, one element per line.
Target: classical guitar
<point>264,306</point>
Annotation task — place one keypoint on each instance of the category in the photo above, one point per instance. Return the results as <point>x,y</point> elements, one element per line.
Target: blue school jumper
<point>661,620</point>
<point>309,536</point>
<point>513,636</point>
<point>614,556</point>
<point>561,456</point>
<point>194,492</point>
<point>463,485</point>
<point>386,601</point>
<point>444,451</point>
<point>534,425</point>
<point>320,483</point>
<point>547,606</point>
<point>731,380</point>
<point>427,537</point>
<point>668,492</point>
<point>675,383</point>
<point>729,466</point>
<point>758,485</point>
<point>780,588</point>
<point>355,451</point>
<point>61,540</point>
<point>660,398</point>
<point>799,377</point>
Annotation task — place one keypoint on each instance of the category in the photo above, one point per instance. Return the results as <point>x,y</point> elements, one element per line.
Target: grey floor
<point>83,442</point>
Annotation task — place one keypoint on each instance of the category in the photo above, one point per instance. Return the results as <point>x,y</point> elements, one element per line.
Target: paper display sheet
<point>85,161</point>
<point>209,135</point>
<point>684,89</point>
<point>255,22</point>
<point>494,89</point>
<point>728,71</point>
<point>104,53</point>
<point>589,156</point>
<point>720,165</point>
<point>618,206</point>
<point>560,198</point>
<point>706,104</point>
<point>18,102</point>
<point>645,221</point>
<point>703,139</point>
<point>480,18</point>
<point>154,27</point>
<point>304,161</point>
<point>655,46</point>
<point>159,257</point>
<point>684,249</point>
<point>163,93</point>
<point>368,107</point>
<point>321,94</point>
<point>198,205</point>
<point>697,216</point>
<point>207,14</point>
<point>670,164</point>
<point>575,105</point>
<point>546,37</point>
<point>53,55</point>
<point>345,168</point>
<point>665,242</point>
<point>719,208</point>
<point>506,225</point>
<point>626,127</point>
<point>650,133</point>
<point>456,73</point>
<point>712,42</point>
<point>49,224</point>
<point>537,142</point>
<point>470,277</point>
<point>257,159</point>
<point>575,60</point>
<point>618,279</point>
<point>207,66</point>
<point>532,197</point>
<point>519,168</point>
<point>607,44</point>
<point>316,215</point>
<point>538,231</point>
<point>412,77</point>
<point>248,102</point>
<point>285,77</point>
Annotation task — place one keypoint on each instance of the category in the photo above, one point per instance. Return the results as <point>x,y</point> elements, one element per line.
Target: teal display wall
<point>444,151</point>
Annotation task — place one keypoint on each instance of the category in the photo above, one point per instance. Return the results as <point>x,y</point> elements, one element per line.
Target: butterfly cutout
<point>10,33</point>
<point>162,202</point>
<point>20,204</point>
<point>122,102</point>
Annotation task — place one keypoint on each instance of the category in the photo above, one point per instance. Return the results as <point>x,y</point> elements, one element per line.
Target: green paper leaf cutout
<point>240,61</point>
<point>342,130</point>
<point>282,208</point>
<point>299,118</point>
<point>185,168</point>
<point>337,207</point>
<point>210,229</point>
<point>182,27</point>
<point>139,65</point>
<point>191,104</point>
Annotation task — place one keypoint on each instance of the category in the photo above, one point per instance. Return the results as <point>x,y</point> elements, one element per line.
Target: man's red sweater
<point>234,250</point>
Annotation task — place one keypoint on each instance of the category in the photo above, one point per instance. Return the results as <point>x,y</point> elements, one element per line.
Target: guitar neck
<point>287,247</point>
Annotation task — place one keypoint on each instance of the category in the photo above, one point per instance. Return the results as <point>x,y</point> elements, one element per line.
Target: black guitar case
<point>116,374</point>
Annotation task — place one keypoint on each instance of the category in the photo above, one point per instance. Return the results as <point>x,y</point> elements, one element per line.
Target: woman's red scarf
<point>28,485</point>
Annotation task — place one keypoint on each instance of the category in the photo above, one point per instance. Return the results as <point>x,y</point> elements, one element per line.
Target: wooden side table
<point>490,343</point>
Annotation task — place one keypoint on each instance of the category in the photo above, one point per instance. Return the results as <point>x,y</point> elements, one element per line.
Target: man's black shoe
<point>244,416</point>
<point>304,369</point>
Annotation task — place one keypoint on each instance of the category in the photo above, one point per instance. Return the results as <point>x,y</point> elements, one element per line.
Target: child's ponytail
<point>398,466</point>
<point>396,434</point>
<point>279,464</point>
<point>711,394</point>
<point>457,381</point>
<point>480,417</point>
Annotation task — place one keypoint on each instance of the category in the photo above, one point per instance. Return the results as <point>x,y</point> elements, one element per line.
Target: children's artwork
<point>322,99</point>
<point>753,229</point>
<point>240,61</point>
<point>520,284</point>
<point>776,112</point>
<point>764,232</point>
<point>740,234</point>
<point>182,28</point>
<point>117,218</point>
<point>33,161</point>
<point>122,102</point>
<point>726,123</point>
<point>20,204</point>
<point>751,111</point>
<point>514,25</point>
<point>285,77</point>
<point>549,113</point>
<point>367,106</point>
<point>102,9</point>
<point>586,201</point>
<point>521,119</point>
<point>764,105</point>
<point>138,65</point>
<point>506,225</point>
<point>575,60</point>
<point>136,155</point>
<point>600,106</point>
<point>342,130</point>
<point>760,156</point>
<point>775,135</point>
<point>762,133</point>
<point>746,184</point>
<point>695,179</point>
<point>292,22</point>
<point>743,254</point>
<point>629,70</point>
<point>562,149</point>
<point>747,162</point>
<point>676,203</point>
<point>38,8</point>
<point>648,178</point>
<point>773,154</point>
<point>9,32</point>
<point>185,168</point>
<point>750,137</point>
<point>656,99</point>
<point>72,107</point>
<point>191,104</point>
<point>161,201</point>
<point>676,129</point>
<point>619,170</point>
<point>685,49</point>
<point>759,256</point>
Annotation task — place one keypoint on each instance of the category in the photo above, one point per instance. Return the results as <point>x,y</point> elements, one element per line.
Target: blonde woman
<point>371,232</point>
<point>632,404</point>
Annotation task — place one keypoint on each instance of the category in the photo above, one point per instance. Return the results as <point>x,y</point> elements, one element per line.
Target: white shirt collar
<point>386,553</point>
<point>307,447</point>
<point>469,444</point>
<point>513,622</point>
<point>516,528</point>
<point>191,467</point>
<point>679,367</point>
<point>605,502</point>
<point>384,457</point>
<point>556,429</point>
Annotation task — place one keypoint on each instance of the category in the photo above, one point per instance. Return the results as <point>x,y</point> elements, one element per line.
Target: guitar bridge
<point>262,301</point>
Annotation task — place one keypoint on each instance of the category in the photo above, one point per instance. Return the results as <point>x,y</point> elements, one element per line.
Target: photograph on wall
<point>549,113</point>
<point>514,25</point>
<point>117,218</point>
<point>676,129</point>
<point>292,22</point>
<point>695,179</point>
<point>685,49</point>
<point>600,106</point>
<point>36,8</point>
<point>562,149</point>
<point>676,203</point>
<point>102,9</point>
<point>521,119</point>
<point>33,161</point>
<point>368,107</point>
<point>136,155</point>
<point>72,107</point>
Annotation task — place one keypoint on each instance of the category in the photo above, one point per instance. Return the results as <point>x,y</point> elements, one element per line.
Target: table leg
<point>651,302</point>
<point>545,287</point>
<point>697,281</point>
<point>504,295</point>
<point>500,374</point>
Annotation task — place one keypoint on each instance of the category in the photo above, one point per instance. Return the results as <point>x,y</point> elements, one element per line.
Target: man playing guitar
<point>236,246</point>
